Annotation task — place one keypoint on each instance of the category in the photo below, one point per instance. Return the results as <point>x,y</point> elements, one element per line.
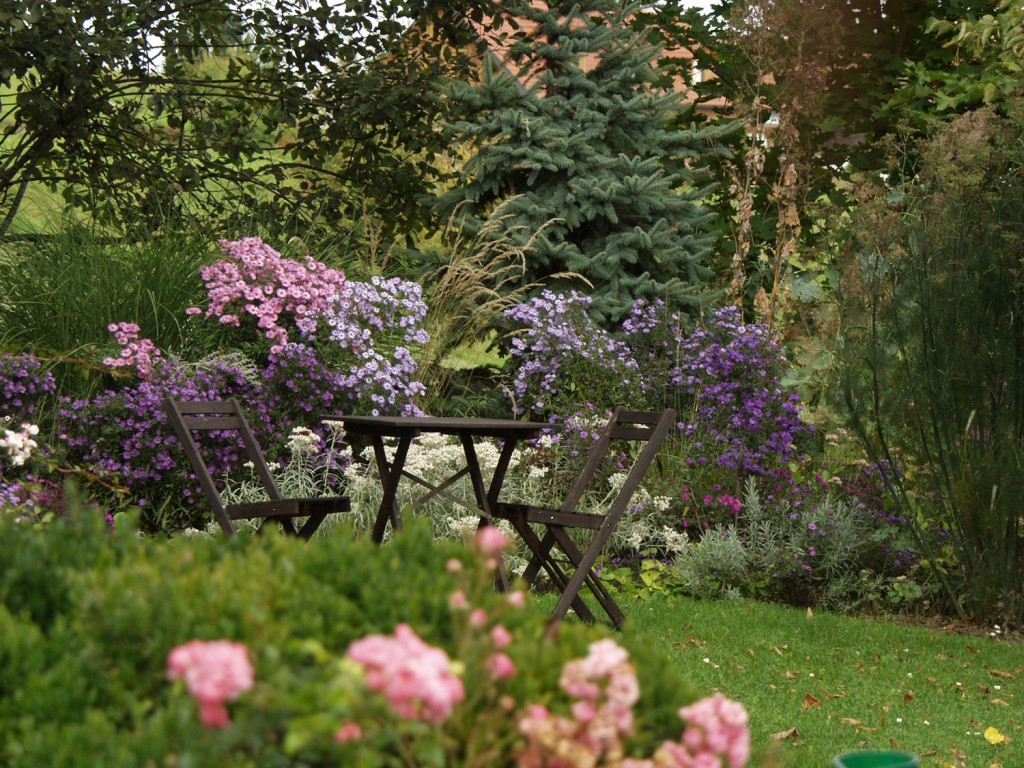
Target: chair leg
<point>584,574</point>
<point>541,558</point>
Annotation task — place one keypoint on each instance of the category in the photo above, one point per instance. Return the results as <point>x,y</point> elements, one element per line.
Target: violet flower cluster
<point>744,419</point>
<point>256,280</point>
<point>561,353</point>
<point>23,383</point>
<point>299,388</point>
<point>124,433</point>
<point>379,323</point>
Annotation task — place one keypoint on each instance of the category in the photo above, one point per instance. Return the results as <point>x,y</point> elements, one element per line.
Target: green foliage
<point>88,616</point>
<point>985,72</point>
<point>934,333</point>
<point>301,111</point>
<point>59,294</point>
<point>579,148</point>
<point>820,554</point>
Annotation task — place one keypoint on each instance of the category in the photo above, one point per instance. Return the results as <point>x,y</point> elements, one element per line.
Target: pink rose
<point>214,672</point>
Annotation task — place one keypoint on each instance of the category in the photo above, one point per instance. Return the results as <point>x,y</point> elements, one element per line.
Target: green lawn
<point>819,685</point>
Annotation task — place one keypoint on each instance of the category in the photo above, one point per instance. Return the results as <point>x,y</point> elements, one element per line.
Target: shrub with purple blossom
<point>744,420</point>
<point>255,281</point>
<point>374,326</point>
<point>562,358</point>
<point>298,389</point>
<point>123,437</point>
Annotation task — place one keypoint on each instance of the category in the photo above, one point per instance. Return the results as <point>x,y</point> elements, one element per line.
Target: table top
<point>394,426</point>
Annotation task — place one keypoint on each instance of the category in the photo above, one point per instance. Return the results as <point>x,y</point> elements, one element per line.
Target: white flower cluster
<point>304,442</point>
<point>19,445</point>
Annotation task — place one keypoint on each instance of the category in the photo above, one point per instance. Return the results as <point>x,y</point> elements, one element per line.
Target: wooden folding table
<point>406,428</point>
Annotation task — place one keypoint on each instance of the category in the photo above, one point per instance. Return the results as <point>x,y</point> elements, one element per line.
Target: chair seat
<point>550,516</point>
<point>289,507</point>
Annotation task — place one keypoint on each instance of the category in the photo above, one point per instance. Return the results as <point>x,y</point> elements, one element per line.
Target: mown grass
<point>816,686</point>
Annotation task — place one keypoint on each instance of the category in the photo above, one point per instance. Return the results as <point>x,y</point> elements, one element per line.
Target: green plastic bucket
<point>886,759</point>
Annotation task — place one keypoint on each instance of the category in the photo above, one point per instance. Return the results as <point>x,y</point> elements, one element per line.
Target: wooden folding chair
<point>188,417</point>
<point>568,567</point>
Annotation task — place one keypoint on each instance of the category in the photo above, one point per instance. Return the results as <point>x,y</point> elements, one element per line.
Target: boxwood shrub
<point>89,615</point>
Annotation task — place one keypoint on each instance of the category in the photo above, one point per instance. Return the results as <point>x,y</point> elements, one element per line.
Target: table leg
<point>482,499</point>
<point>508,447</point>
<point>390,475</point>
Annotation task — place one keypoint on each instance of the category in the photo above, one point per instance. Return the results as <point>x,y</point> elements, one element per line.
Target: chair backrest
<point>651,427</point>
<point>187,417</point>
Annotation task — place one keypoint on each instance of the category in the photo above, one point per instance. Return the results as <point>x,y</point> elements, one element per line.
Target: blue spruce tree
<point>581,145</point>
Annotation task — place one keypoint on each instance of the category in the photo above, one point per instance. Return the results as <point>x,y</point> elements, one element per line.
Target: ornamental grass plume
<point>214,672</point>
<point>415,677</point>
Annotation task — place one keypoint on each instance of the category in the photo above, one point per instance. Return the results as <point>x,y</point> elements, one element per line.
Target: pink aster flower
<point>214,672</point>
<point>141,354</point>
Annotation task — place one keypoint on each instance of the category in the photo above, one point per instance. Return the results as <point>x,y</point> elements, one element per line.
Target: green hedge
<point>88,616</point>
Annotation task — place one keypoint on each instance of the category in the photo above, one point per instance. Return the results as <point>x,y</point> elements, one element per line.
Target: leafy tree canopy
<point>289,110</point>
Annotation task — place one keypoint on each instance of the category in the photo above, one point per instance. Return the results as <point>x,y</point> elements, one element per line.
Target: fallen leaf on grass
<point>811,701</point>
<point>993,736</point>
<point>789,733</point>
<point>894,744</point>
<point>908,697</point>
<point>1000,702</point>
<point>1000,673</point>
